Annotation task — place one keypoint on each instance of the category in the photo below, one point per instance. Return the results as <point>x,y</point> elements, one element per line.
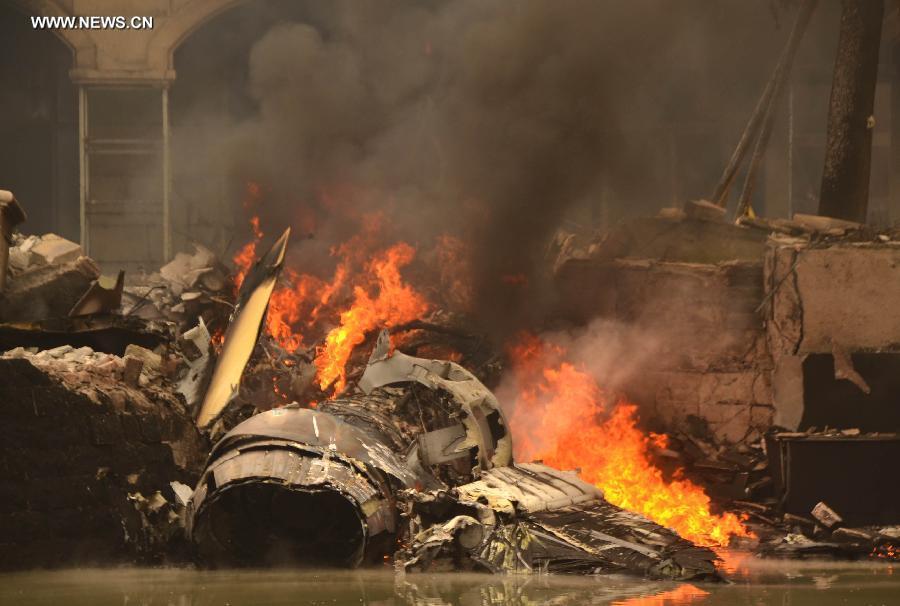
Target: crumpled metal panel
<point>546,521</point>
<point>529,487</point>
<point>475,400</point>
<point>243,331</point>
<point>292,469</point>
<point>322,430</point>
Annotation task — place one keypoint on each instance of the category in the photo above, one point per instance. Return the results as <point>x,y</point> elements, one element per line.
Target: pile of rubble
<point>83,447</point>
<point>187,288</point>
<point>46,277</point>
<point>98,443</point>
<point>748,479</point>
<point>822,533</point>
<point>728,472</point>
<point>104,385</point>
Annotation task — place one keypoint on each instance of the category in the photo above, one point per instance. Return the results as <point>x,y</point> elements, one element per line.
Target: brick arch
<point>184,21</point>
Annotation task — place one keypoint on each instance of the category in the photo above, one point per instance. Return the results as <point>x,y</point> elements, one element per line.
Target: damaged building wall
<point>88,460</point>
<point>753,322</point>
<point>709,356</point>
<point>834,305</point>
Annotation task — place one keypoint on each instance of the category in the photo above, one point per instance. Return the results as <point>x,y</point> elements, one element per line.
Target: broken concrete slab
<point>54,250</point>
<point>47,291</point>
<point>830,225</point>
<point>684,241</point>
<point>842,292</point>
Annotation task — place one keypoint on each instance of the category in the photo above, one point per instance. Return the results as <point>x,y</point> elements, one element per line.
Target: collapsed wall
<point>787,323</point>
<point>88,461</point>
<point>693,287</point>
<point>833,328</point>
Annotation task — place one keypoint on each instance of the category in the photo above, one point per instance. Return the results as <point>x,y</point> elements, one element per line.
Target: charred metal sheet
<point>628,541</point>
<point>441,445</point>
<point>544,520</point>
<point>321,431</point>
<point>371,414</point>
<point>529,488</point>
<point>486,427</point>
<point>291,463</point>
<point>106,333</point>
<point>104,295</point>
<point>243,331</point>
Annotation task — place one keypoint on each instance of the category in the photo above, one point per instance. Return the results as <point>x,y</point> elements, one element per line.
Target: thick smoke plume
<point>483,119</point>
<point>615,355</point>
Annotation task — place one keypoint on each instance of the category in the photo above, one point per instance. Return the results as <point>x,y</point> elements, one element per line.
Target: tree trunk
<point>848,150</point>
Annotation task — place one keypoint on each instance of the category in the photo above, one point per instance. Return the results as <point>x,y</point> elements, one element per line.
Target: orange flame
<point>395,302</point>
<point>366,292</point>
<point>243,261</point>
<point>683,594</point>
<point>246,256</point>
<point>563,418</point>
<point>887,551</point>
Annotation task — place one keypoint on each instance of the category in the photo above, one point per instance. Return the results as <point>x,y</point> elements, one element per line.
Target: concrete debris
<point>828,225</point>
<point>46,291</point>
<point>189,287</point>
<point>843,368</point>
<point>151,360</point>
<point>55,250</point>
<point>96,493</point>
<point>186,269</point>
<point>826,515</point>
<point>103,296</point>
<point>131,374</point>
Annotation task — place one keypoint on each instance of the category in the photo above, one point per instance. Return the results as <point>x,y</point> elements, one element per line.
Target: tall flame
<point>561,416</point>
<point>366,292</point>
<point>394,303</point>
<point>246,256</point>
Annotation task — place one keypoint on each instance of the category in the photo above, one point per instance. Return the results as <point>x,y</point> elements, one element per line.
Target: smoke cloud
<point>486,119</point>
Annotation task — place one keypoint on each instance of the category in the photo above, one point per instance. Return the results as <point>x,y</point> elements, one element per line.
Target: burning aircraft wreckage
<point>415,464</point>
<point>381,444</point>
<point>407,460</point>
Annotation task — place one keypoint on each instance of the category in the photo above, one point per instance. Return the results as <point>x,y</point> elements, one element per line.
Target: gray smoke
<point>487,119</point>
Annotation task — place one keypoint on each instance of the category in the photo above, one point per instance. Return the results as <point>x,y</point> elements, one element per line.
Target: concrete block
<point>53,250</point>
